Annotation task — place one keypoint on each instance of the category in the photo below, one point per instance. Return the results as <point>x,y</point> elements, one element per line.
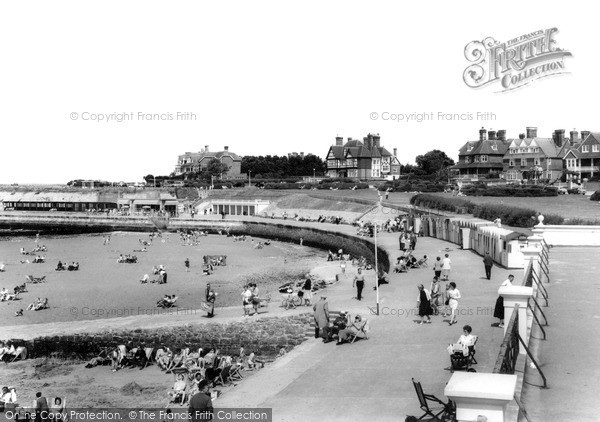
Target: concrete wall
<point>265,337</point>
<point>569,235</point>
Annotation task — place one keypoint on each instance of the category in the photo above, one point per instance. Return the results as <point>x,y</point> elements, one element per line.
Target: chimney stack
<point>559,137</point>
<point>584,134</point>
<point>521,136</point>
<point>501,135</point>
<point>226,148</point>
<point>395,152</point>
<point>492,135</point>
<point>574,136</point>
<point>482,133</point>
<point>377,140</point>
<point>339,141</point>
<point>205,148</point>
<point>531,132</point>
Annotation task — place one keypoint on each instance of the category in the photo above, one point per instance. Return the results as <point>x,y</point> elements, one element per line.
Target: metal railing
<point>509,349</point>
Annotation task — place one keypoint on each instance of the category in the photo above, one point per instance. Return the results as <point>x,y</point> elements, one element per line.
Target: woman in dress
<point>499,308</point>
<point>424,305</point>
<point>453,296</point>
<point>307,292</point>
<point>446,267</point>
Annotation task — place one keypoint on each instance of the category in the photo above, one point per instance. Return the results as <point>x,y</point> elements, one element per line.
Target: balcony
<point>584,169</point>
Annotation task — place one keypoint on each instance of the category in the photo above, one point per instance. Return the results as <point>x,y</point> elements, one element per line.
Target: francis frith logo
<point>516,62</point>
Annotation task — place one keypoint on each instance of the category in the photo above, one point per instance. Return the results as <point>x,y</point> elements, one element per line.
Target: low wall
<point>264,337</point>
<point>569,235</point>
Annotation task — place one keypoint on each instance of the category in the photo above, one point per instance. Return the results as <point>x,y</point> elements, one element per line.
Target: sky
<point>266,77</point>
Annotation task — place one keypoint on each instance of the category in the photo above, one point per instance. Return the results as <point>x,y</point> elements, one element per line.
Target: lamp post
<point>212,183</point>
<point>154,177</point>
<point>376,268</point>
<point>249,178</point>
<point>314,175</point>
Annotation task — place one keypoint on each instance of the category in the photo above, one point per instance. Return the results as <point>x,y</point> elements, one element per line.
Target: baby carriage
<point>462,357</point>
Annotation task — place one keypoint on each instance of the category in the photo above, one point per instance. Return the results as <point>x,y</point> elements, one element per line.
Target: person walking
<point>437,267</point>
<point>343,265</point>
<point>436,296</point>
<point>488,263</point>
<point>424,304</point>
<point>453,296</point>
<point>499,308</point>
<point>359,282</point>
<point>321,316</point>
<point>40,406</point>
<point>446,267</point>
<point>211,297</point>
<point>187,265</point>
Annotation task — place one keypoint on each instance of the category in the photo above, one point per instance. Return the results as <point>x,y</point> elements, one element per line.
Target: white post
<point>466,238</point>
<point>514,295</point>
<point>481,394</point>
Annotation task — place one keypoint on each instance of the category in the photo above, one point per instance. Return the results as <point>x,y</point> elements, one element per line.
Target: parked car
<point>563,191</point>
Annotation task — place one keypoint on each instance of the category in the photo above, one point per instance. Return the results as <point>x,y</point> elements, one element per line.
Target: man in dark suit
<point>201,408</point>
<point>488,263</point>
<point>40,406</point>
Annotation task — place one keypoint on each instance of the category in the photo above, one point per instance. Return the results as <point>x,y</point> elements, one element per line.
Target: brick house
<point>195,161</point>
<point>362,160</point>
<point>582,154</point>
<point>529,155</point>
<point>480,158</point>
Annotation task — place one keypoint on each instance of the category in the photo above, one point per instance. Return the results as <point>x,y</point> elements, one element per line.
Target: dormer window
<point>469,148</point>
<point>536,150</point>
<point>495,147</point>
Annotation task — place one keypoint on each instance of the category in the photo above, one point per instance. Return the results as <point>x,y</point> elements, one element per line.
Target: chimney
<point>377,140</point>
<point>482,133</point>
<point>531,132</point>
<point>395,152</point>
<point>226,148</point>
<point>584,134</point>
<point>367,141</point>
<point>339,141</point>
<point>205,148</point>
<point>559,137</point>
<point>521,136</point>
<point>574,136</point>
<point>491,135</point>
<point>501,135</point>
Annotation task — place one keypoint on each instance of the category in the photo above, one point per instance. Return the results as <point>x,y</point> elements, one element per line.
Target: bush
<point>595,196</point>
<point>509,190</point>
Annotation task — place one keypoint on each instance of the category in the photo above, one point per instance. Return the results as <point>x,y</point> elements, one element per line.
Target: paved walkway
<point>569,356</point>
<point>371,379</point>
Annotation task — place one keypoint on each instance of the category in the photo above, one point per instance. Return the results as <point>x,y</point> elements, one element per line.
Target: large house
<point>362,160</point>
<point>483,157</point>
<point>582,155</point>
<point>526,157</point>
<point>195,161</point>
<point>530,157</point>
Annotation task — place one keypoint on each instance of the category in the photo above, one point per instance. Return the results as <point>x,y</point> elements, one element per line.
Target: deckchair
<point>148,351</point>
<point>439,407</point>
<point>223,376</point>
<point>362,332</point>
<point>235,373</point>
<point>20,353</point>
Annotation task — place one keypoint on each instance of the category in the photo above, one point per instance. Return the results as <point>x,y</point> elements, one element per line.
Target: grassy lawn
<point>568,206</point>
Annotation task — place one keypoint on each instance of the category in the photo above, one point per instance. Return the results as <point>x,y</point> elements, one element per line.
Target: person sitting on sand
<point>42,305</point>
<point>19,312</point>
<point>59,266</point>
<point>35,304</point>
<point>145,279</point>
<point>2,267</point>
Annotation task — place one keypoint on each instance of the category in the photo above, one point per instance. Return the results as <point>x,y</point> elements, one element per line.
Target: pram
<point>462,357</point>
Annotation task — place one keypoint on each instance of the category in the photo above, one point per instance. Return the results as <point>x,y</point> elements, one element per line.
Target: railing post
<point>516,295</point>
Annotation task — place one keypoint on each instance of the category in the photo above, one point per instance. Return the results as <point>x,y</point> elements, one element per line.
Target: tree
<point>216,168</point>
<point>434,161</point>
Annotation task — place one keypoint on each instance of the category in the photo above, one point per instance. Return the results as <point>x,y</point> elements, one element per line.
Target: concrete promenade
<point>370,379</point>
<point>569,356</point>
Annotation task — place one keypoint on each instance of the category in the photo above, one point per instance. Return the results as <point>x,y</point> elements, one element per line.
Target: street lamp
<point>376,267</point>
<point>314,175</point>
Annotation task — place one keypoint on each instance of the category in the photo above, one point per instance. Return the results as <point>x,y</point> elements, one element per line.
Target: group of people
<point>251,300</point>
<point>38,305</point>
<point>40,409</point>
<point>436,299</point>
<point>168,301</point>
<point>73,266</point>
<point>6,295</point>
<point>343,326</point>
<point>127,259</point>
<point>38,248</point>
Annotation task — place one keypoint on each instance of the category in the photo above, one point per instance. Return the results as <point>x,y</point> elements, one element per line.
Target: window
<point>469,148</point>
<point>585,148</point>
<point>523,161</point>
<point>571,162</point>
<point>595,148</point>
<point>536,150</point>
<point>467,160</point>
<point>476,159</point>
<point>536,161</point>
<point>484,158</point>
<point>495,147</point>
<point>511,163</point>
<point>513,150</point>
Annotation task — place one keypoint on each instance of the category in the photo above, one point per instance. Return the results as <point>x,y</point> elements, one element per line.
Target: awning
<point>146,202</point>
<point>172,203</point>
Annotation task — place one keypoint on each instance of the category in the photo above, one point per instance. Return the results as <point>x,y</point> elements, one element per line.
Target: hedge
<point>509,190</point>
<point>320,186</point>
<point>511,216</point>
<point>595,196</point>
